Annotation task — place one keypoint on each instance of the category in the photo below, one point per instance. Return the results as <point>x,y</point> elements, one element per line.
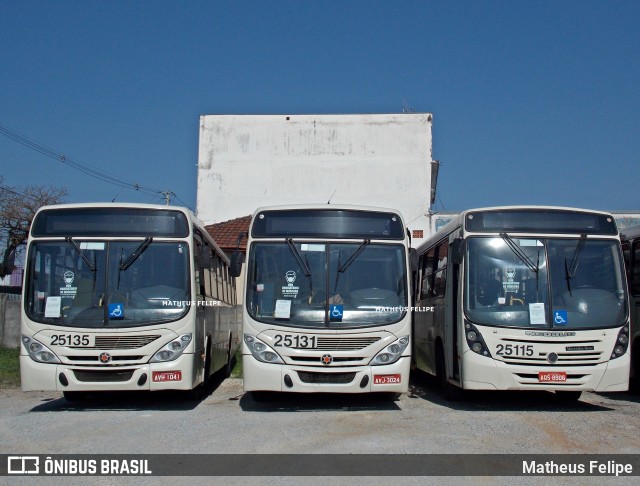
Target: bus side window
<point>427,274</point>
<point>635,269</point>
<point>197,247</point>
<point>440,280</point>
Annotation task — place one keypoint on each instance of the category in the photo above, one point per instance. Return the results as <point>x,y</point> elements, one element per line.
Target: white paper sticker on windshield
<point>283,309</point>
<point>53,306</point>
<point>309,247</point>
<point>537,314</point>
<point>91,245</point>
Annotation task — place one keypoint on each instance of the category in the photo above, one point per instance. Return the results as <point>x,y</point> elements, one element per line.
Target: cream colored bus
<point>524,298</point>
<point>124,297</point>
<point>326,301</point>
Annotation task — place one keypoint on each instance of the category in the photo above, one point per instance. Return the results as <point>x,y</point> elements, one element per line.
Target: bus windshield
<point>112,284</point>
<point>333,285</point>
<point>544,283</point>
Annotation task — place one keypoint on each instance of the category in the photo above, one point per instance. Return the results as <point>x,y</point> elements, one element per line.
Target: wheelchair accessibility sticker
<point>335,312</point>
<point>116,311</point>
<point>560,318</point>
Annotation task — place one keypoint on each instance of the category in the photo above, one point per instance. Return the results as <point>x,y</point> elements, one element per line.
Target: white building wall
<point>249,161</point>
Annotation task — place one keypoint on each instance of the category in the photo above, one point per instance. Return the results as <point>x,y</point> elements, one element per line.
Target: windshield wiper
<point>571,269</point>
<point>520,254</point>
<point>342,268</point>
<point>136,253</point>
<point>296,254</point>
<point>86,261</point>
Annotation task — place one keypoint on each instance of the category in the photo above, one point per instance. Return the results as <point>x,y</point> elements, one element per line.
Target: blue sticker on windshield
<point>560,318</point>
<point>116,311</point>
<point>335,312</point>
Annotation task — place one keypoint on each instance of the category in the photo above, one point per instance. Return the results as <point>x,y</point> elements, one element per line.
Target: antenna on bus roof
<point>334,193</point>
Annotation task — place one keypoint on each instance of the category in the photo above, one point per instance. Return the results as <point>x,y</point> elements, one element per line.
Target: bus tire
<point>206,381</point>
<point>74,396</point>
<point>389,396</point>
<point>227,368</point>
<point>263,396</point>
<point>450,392</point>
<point>568,395</point>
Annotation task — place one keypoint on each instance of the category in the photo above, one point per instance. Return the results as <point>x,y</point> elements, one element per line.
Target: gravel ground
<point>227,421</point>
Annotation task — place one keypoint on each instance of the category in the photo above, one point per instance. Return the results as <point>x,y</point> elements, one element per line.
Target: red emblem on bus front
<point>105,358</point>
<point>326,359</point>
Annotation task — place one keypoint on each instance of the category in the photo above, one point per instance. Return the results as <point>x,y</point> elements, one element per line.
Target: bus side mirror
<point>413,259</point>
<point>8,262</point>
<point>457,251</point>
<point>235,267</point>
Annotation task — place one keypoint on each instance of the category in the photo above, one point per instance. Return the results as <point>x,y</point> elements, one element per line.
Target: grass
<point>9,367</point>
<point>236,372</point>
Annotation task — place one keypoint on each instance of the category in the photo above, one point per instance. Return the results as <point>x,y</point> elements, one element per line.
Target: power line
<point>103,176</point>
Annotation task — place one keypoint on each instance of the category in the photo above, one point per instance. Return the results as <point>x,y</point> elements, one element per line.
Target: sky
<point>532,102</point>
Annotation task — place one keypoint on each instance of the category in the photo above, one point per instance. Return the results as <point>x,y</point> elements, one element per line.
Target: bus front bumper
<point>173,375</point>
<point>482,373</point>
<point>259,376</point>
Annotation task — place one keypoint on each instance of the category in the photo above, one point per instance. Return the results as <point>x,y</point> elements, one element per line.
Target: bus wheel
<point>389,396</point>
<point>206,382</point>
<point>450,392</point>
<point>74,396</point>
<point>568,396</point>
<point>227,368</point>
<point>263,396</point>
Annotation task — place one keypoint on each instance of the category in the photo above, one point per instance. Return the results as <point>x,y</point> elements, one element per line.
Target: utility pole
<point>167,197</point>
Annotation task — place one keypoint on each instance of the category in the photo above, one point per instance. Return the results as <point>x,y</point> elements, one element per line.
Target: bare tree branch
<point>17,209</point>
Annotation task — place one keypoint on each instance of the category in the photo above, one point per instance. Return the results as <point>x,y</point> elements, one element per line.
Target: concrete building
<point>249,161</point>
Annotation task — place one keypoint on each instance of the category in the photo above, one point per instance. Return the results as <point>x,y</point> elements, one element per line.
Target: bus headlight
<point>261,351</point>
<point>173,350</point>
<point>475,341</point>
<point>391,353</point>
<point>622,343</point>
<point>38,351</point>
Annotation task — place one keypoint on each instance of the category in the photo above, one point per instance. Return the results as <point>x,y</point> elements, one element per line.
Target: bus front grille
<point>344,343</point>
<point>122,342</point>
<point>326,378</point>
<point>99,376</point>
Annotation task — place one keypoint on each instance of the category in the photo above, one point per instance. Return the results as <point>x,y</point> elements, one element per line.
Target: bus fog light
<point>38,351</point>
<point>392,352</point>
<point>261,351</point>
<point>619,350</point>
<point>477,347</point>
<point>173,350</point>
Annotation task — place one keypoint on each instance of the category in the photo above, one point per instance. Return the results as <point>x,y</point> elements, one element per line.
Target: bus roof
<point>65,224</point>
<point>459,219</point>
<point>317,221</point>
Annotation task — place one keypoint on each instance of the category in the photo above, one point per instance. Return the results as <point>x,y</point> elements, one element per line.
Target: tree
<point>17,209</point>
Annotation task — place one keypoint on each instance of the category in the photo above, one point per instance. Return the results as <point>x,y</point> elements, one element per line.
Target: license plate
<point>73,340</point>
<point>386,379</point>
<point>166,376</point>
<point>552,376</point>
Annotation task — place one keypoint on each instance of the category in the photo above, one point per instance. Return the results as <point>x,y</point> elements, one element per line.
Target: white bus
<point>631,249</point>
<point>524,298</point>
<point>124,297</point>
<point>327,296</point>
